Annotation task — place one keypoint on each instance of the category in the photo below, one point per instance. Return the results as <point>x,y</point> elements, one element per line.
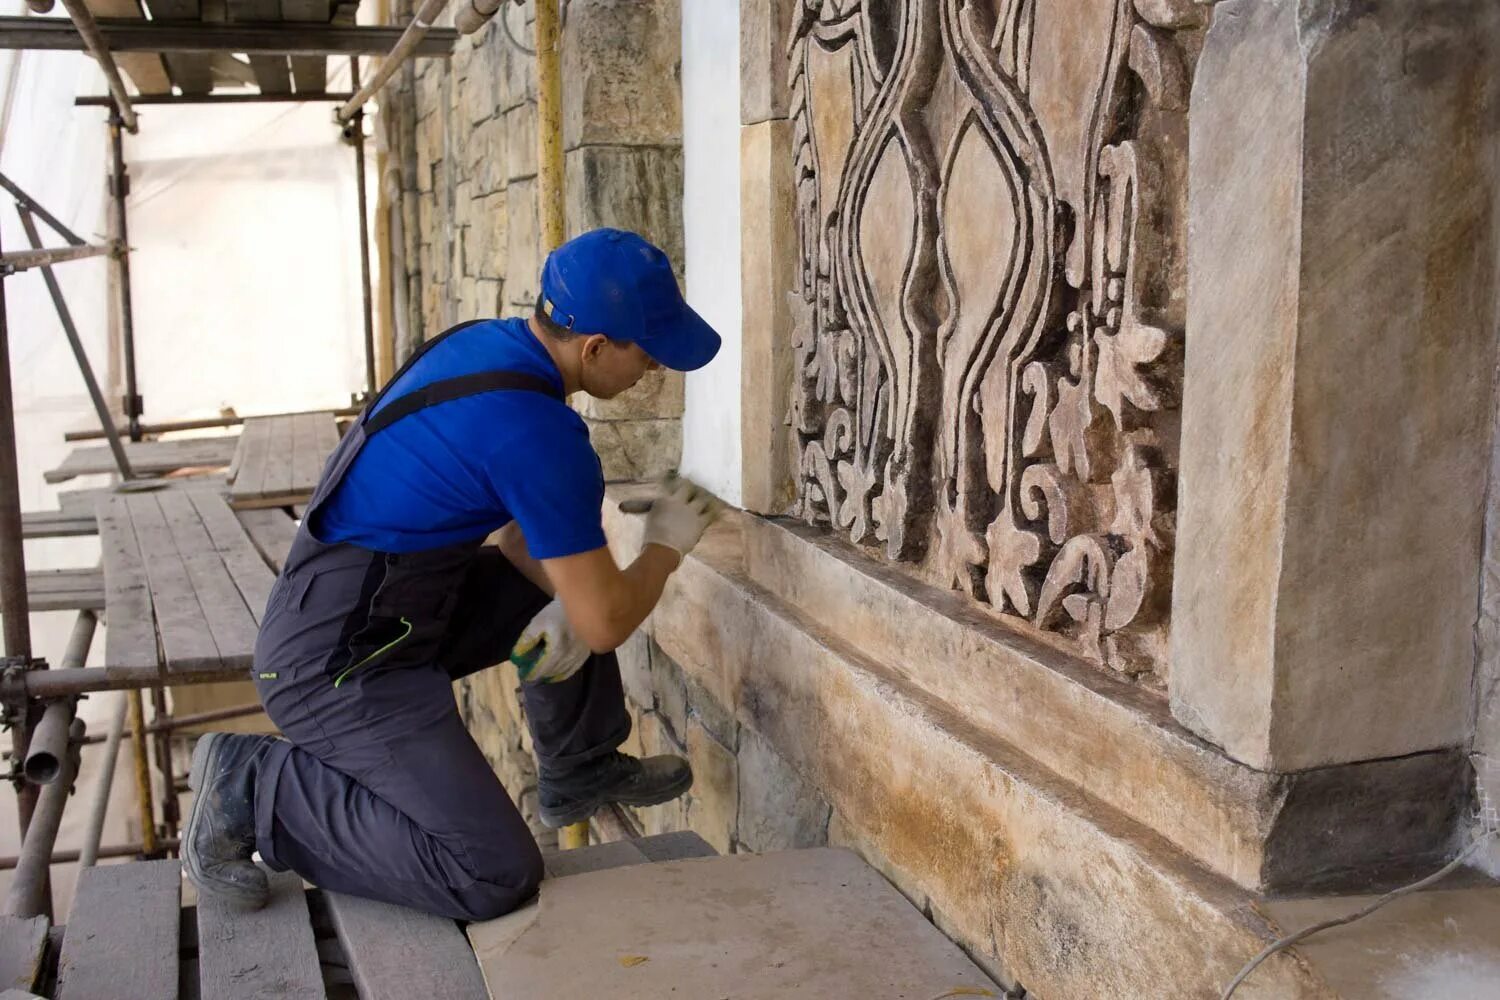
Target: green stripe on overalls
<point>375,655</point>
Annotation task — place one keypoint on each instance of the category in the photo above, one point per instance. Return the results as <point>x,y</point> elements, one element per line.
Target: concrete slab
<point>1441,943</point>
<point>816,923</point>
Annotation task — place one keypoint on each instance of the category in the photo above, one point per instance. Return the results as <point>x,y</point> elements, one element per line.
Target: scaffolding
<point>40,701</point>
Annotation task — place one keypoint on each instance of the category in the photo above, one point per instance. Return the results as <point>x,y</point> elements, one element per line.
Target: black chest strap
<point>445,390</point>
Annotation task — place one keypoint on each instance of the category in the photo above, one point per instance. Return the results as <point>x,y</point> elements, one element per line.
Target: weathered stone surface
<point>628,188</point>
<point>711,714</point>
<point>768,280</point>
<point>657,394</point>
<point>1486,755</point>
<point>1323,602</point>
<point>1023,865</point>
<point>635,669</point>
<point>778,810</point>
<point>487,294</point>
<point>636,450</point>
<point>1106,736</point>
<point>468,299</point>
<point>621,60</point>
<point>712,803</point>
<point>518,71</point>
<point>799,924</point>
<point>487,156</point>
<point>487,237</point>
<point>671,693</point>
<point>523,260</point>
<point>520,145</point>
<point>765,26</point>
<point>484,88</point>
<point>668,816</point>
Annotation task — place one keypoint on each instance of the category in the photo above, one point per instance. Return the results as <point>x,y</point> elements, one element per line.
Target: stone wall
<point>464,181</point>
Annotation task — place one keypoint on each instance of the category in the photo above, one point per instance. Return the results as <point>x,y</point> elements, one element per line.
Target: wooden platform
<point>148,458</point>
<point>279,459</point>
<point>181,576</point>
<point>129,936</point>
<point>75,513</point>
<point>65,589</point>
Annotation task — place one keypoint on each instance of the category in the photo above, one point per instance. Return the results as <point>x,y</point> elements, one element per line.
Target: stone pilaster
<point>768,258</point>
<point>622,137</point>
<point>1340,355</point>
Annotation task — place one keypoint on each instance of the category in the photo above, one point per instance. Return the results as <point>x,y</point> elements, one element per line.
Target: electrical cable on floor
<point>1307,932</point>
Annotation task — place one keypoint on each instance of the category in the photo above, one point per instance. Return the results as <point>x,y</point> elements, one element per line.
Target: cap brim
<point>684,343</point>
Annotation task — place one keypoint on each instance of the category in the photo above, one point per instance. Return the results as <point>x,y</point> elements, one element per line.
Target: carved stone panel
<point>991,203</point>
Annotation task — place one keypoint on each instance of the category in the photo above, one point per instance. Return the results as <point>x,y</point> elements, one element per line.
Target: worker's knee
<point>503,884</point>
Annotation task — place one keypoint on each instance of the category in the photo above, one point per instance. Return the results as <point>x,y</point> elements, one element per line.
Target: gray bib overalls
<point>380,791</point>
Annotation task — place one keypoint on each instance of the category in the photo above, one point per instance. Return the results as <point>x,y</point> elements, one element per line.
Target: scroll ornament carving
<point>990,201</point>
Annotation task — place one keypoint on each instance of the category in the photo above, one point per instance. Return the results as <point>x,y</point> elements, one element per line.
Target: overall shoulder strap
<point>457,387</point>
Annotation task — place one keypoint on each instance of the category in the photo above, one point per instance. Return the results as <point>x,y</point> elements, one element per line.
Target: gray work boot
<point>572,796</point>
<point>219,837</point>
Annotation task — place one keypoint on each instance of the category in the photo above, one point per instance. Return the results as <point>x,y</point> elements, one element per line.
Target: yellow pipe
<point>573,836</point>
<point>549,151</point>
<point>549,193</point>
<point>142,772</point>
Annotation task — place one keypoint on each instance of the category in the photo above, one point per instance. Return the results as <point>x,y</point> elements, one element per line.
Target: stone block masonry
<point>473,243</point>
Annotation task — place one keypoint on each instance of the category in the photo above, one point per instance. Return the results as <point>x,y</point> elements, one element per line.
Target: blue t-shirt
<point>460,469</point>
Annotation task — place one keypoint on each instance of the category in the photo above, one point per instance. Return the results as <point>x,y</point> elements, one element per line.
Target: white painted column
<point>711,452</point>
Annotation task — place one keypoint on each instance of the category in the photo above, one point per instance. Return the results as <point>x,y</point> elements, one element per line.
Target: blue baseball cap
<point>616,283</point>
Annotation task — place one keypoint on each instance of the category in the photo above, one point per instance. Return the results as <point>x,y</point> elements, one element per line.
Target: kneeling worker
<point>388,595</point>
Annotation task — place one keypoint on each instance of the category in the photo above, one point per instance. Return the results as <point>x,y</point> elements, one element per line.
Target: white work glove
<point>548,651</point>
<point>679,516</point>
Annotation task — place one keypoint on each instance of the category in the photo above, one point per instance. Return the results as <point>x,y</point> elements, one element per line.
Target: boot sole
<point>582,810</point>
<point>205,756</point>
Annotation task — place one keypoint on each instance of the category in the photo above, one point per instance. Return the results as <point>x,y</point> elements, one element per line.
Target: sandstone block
<point>483,92</point>
<point>671,694</point>
<point>622,63</point>
<point>1323,605</point>
<point>487,156</point>
<point>712,803</point>
<point>523,258</point>
<point>635,670</point>
<point>658,394</point>
<point>487,246</point>
<point>768,275</point>
<point>778,809</point>
<point>520,142</point>
<point>627,188</point>
<point>711,713</point>
<point>765,25</point>
<point>637,450</point>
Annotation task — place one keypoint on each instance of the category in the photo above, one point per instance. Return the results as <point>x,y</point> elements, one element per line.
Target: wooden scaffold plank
<point>246,567</point>
<point>262,953</point>
<point>395,953</point>
<point>230,620</point>
<point>187,643</point>
<point>148,457</point>
<point>271,531</point>
<point>123,931</point>
<point>22,943</point>
<point>65,589</point>
<point>130,636</point>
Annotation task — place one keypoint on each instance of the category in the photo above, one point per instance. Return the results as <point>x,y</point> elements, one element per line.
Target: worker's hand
<point>679,517</point>
<point>548,651</point>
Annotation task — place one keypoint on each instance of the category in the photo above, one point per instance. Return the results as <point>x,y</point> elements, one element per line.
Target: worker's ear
<point>592,345</point>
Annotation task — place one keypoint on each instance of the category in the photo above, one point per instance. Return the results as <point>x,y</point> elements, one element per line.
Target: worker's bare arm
<point>604,603</point>
<point>512,544</point>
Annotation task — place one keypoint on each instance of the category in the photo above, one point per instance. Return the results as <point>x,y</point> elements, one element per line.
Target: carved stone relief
<point>991,203</point>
